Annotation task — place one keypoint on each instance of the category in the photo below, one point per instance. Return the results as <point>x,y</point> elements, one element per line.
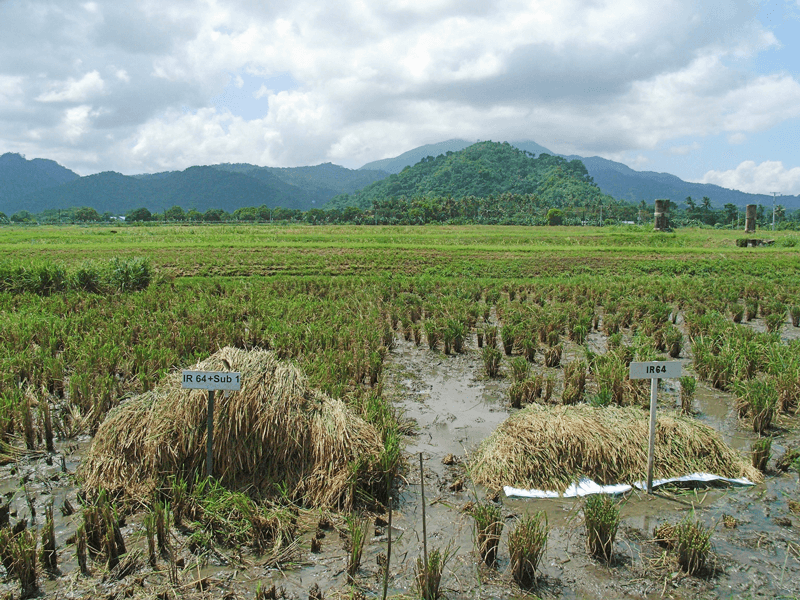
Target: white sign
<point>211,380</point>
<point>655,370</point>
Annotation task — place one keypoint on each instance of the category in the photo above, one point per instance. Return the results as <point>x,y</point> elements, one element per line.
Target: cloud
<point>763,178</point>
<point>160,79</point>
<point>88,86</point>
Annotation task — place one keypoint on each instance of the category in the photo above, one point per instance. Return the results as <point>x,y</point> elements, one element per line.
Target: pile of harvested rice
<point>544,447</point>
<point>275,432</point>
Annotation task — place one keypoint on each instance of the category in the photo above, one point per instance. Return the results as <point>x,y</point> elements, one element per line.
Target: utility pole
<point>773,209</point>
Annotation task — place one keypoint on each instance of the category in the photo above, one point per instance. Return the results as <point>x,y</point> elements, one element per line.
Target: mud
<point>454,407</point>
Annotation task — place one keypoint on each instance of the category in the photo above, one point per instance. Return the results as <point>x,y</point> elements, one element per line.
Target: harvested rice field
<point>500,355</point>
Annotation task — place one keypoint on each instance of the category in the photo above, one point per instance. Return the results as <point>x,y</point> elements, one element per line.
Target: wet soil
<point>454,407</point>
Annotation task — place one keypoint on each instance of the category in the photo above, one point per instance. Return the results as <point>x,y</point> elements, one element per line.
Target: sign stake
<point>651,450</point>
<point>210,381</point>
<point>210,440</point>
<point>424,530</point>
<point>653,370</point>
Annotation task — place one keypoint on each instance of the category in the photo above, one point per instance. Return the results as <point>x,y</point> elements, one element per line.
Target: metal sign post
<point>210,380</point>
<point>653,371</point>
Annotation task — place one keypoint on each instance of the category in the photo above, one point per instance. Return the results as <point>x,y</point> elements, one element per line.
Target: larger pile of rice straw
<point>275,432</point>
<point>549,448</point>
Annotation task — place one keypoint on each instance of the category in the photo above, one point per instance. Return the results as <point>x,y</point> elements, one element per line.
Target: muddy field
<point>454,406</point>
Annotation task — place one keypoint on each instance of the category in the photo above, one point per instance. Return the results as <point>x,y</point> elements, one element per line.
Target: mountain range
<point>39,184</point>
<point>225,186</point>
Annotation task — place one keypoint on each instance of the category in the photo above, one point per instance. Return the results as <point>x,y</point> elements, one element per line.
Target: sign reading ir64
<point>655,370</point>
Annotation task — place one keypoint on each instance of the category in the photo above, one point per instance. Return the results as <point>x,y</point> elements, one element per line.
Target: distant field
<point>477,251</point>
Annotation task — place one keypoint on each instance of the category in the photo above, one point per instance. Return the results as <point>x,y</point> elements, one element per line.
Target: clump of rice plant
<point>692,544</point>
<point>552,355</point>
<point>688,387</point>
<point>490,335</point>
<point>574,382</point>
<point>491,360</point>
<point>161,516</point>
<point>150,534</point>
<point>80,549</point>
<point>519,369</point>
<point>614,341</point>
<point>751,309</point>
<point>538,386</point>
<point>447,339</point>
<point>601,518</point>
<point>49,559</point>
<point>549,387</point>
<point>673,340</point>
<point>87,277</point>
<point>526,546</point>
<point>18,553</point>
<point>523,392</point>
<point>488,528</point>
<point>130,274</point>
<point>457,332</point>
<point>579,333</point>
<point>737,313</point>
<point>775,320</point>
<point>432,334</point>
<point>428,577</point>
<point>25,567</point>
<point>758,398</point>
<point>529,348</point>
<point>357,535</point>
<point>761,451</point>
<point>794,312</point>
<point>508,333</point>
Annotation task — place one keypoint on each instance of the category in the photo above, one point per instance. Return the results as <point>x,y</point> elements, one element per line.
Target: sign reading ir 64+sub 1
<point>211,380</point>
<point>655,370</point>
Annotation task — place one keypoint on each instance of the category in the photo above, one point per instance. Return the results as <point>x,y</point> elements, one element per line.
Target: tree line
<point>505,209</point>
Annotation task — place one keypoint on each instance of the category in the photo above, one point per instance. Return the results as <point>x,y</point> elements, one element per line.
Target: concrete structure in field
<point>750,219</point>
<point>660,216</point>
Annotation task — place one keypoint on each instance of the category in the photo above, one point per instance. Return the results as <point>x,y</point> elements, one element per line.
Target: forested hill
<point>481,170</point>
<point>19,176</point>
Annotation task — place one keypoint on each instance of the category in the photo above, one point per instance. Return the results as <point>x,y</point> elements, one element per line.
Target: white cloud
<point>76,122</point>
<point>11,90</point>
<point>764,178</point>
<point>87,87</point>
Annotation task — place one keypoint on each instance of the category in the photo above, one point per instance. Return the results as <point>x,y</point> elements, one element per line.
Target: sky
<point>708,90</point>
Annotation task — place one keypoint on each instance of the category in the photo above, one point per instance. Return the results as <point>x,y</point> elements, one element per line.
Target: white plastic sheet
<point>586,486</point>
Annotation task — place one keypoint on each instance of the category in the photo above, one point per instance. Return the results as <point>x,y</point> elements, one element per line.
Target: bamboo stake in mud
<point>424,530</point>
<point>388,553</point>
<point>210,441</point>
<point>652,446</point>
